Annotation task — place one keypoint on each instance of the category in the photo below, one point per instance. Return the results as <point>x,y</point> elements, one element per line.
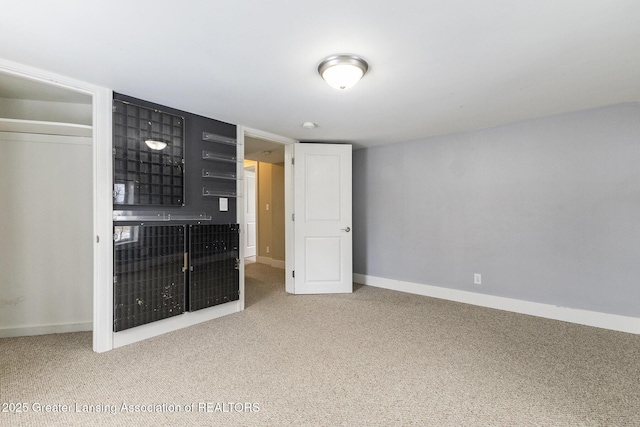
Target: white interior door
<point>322,226</point>
<point>250,211</point>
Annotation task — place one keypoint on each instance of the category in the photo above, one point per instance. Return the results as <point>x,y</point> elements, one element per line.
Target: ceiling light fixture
<point>343,71</point>
<point>309,125</point>
<point>154,144</point>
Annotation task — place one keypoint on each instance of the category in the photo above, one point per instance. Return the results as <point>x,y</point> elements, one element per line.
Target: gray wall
<point>547,210</point>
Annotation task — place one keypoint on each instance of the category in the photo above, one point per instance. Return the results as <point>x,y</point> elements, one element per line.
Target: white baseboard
<point>26,331</point>
<point>276,263</point>
<point>189,318</point>
<point>582,317</point>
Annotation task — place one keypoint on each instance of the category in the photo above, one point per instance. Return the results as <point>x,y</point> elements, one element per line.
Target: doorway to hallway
<point>264,217</point>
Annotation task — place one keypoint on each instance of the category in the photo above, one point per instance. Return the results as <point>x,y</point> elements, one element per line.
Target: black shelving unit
<point>176,248</point>
<point>220,165</point>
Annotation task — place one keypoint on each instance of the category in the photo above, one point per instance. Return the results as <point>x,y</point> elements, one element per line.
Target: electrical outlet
<point>477,279</point>
<point>267,249</point>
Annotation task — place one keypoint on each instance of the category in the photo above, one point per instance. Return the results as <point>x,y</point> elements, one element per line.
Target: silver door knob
<point>346,229</point>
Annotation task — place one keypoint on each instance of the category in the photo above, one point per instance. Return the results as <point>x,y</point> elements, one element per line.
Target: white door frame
<point>102,197</point>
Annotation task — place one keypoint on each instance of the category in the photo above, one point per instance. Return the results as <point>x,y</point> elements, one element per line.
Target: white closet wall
<point>46,204</point>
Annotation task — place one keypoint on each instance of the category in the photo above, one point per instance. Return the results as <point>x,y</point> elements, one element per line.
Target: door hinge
<point>293,273</point>
<point>293,217</point>
<point>293,161</point>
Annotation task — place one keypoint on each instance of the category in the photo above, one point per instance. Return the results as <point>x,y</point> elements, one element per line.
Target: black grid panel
<point>149,277</point>
<point>142,175</point>
<point>214,276</point>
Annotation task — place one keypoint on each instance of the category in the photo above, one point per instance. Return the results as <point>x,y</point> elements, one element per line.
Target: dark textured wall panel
<point>214,275</point>
<point>221,173</point>
<point>149,281</point>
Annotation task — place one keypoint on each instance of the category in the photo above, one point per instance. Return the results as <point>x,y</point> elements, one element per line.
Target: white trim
<point>160,327</point>
<point>288,195</point>
<point>39,138</point>
<point>582,317</point>
<point>103,221</point>
<point>42,127</point>
<point>256,133</point>
<point>289,234</point>
<point>275,263</point>
<point>62,328</point>
<point>240,201</point>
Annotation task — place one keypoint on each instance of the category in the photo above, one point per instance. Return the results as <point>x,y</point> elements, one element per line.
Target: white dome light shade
<point>155,144</point>
<point>343,71</point>
<point>342,76</point>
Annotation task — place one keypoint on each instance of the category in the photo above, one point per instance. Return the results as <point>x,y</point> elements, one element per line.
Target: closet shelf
<point>43,127</point>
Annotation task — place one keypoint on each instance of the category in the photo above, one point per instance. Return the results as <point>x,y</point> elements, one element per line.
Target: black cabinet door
<point>149,274</point>
<point>151,281</point>
<point>214,256</point>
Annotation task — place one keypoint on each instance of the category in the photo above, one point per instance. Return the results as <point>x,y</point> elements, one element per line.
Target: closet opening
<point>47,227</point>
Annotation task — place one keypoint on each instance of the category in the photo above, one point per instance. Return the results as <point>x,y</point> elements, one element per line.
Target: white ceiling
<point>436,67</point>
<point>261,150</point>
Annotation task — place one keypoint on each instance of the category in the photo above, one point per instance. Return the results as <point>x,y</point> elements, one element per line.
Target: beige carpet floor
<point>372,358</point>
